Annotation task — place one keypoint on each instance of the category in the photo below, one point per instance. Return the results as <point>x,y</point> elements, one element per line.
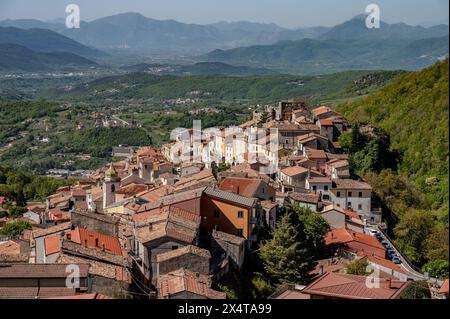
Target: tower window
<point>113,188</point>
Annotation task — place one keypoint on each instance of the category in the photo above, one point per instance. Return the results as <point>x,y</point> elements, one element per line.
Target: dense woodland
<point>403,154</point>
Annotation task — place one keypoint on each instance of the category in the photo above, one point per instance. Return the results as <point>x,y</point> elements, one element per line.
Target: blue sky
<point>287,13</point>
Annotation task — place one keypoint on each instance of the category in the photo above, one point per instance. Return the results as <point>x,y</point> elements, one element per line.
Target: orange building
<point>229,213</point>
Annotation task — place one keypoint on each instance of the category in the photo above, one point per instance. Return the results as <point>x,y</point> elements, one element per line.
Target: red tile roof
<point>9,247</point>
<point>334,285</point>
<point>242,186</point>
<point>294,170</point>
<point>385,263</point>
<point>52,245</point>
<point>184,280</point>
<point>83,296</point>
<point>444,287</point>
<point>132,189</point>
<point>343,235</point>
<point>34,292</point>
<point>326,122</point>
<point>95,239</point>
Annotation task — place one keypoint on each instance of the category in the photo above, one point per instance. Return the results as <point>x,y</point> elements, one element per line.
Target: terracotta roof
<point>268,204</point>
<point>236,240</point>
<point>51,230</point>
<point>294,170</point>
<point>185,280</point>
<point>343,235</point>
<point>93,239</point>
<point>444,287</point>
<point>310,198</point>
<point>315,154</point>
<point>347,212</point>
<point>321,110</point>
<point>132,189</point>
<point>335,285</point>
<point>38,271</point>
<point>34,292</point>
<point>52,245</point>
<point>350,184</point>
<point>385,263</point>
<point>83,296</point>
<point>9,247</point>
<point>326,122</point>
<point>190,249</point>
<point>242,186</point>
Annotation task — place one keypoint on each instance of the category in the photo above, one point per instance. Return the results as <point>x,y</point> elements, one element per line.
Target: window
<point>349,204</point>
<point>338,205</point>
<point>360,194</point>
<point>314,188</point>
<point>216,213</point>
<point>359,206</point>
<point>113,188</point>
<point>350,194</point>
<point>174,247</point>
<point>326,197</point>
<point>338,194</point>
<point>239,232</point>
<point>325,188</point>
<point>240,214</point>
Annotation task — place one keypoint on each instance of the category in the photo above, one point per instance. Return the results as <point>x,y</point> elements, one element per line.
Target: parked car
<point>373,232</point>
<point>385,243</point>
<point>378,236</point>
<point>396,260</point>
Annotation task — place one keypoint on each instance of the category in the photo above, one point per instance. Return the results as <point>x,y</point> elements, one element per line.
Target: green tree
<point>296,242</point>
<point>15,228</point>
<point>16,211</point>
<point>410,232</point>
<point>358,267</point>
<point>437,268</point>
<point>416,290</point>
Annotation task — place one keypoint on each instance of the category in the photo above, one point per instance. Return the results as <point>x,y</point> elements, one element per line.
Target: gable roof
<point>246,187</point>
<point>189,249</point>
<point>230,197</point>
<point>294,170</point>
<point>350,184</point>
<point>39,271</point>
<point>185,280</point>
<point>310,198</point>
<point>344,235</point>
<point>347,286</point>
<point>93,239</point>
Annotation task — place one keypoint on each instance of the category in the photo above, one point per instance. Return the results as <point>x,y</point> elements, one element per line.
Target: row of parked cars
<point>392,255</point>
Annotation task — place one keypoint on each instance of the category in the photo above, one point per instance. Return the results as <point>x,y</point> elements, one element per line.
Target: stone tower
<point>111,184</point>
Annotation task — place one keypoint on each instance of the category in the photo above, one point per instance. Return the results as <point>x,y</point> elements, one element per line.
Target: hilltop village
<point>152,226</point>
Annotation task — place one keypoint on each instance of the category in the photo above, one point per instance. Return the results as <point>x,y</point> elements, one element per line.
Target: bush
<point>15,228</point>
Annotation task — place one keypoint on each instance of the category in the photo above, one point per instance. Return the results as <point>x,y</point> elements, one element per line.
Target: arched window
<point>113,188</point>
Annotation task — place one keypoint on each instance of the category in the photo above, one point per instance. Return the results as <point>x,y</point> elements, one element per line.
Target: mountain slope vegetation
<point>412,114</point>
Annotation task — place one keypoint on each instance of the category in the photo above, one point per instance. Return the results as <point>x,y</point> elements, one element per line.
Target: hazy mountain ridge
<point>19,58</point>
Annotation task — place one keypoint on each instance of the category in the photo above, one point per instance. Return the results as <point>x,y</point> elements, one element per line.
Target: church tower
<point>111,184</point>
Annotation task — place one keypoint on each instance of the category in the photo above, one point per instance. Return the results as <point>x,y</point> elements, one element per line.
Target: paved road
<point>410,271</point>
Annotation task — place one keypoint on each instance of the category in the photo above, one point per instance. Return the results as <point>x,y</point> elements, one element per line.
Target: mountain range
<point>348,46</point>
<point>133,31</point>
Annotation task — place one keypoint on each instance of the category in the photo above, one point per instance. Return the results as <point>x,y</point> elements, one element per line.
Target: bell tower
<point>111,184</point>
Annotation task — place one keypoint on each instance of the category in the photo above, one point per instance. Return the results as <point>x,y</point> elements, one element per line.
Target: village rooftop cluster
<point>151,227</point>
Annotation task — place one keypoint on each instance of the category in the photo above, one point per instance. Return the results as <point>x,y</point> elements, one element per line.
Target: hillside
<point>202,68</point>
<point>43,40</point>
<point>411,115</point>
<point>414,112</point>
<point>18,58</point>
<point>259,89</point>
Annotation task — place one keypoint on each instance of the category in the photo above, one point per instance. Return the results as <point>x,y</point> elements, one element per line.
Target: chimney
<point>96,242</point>
<point>321,270</point>
<point>150,226</point>
<point>85,243</point>
<point>388,283</point>
<point>103,247</point>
